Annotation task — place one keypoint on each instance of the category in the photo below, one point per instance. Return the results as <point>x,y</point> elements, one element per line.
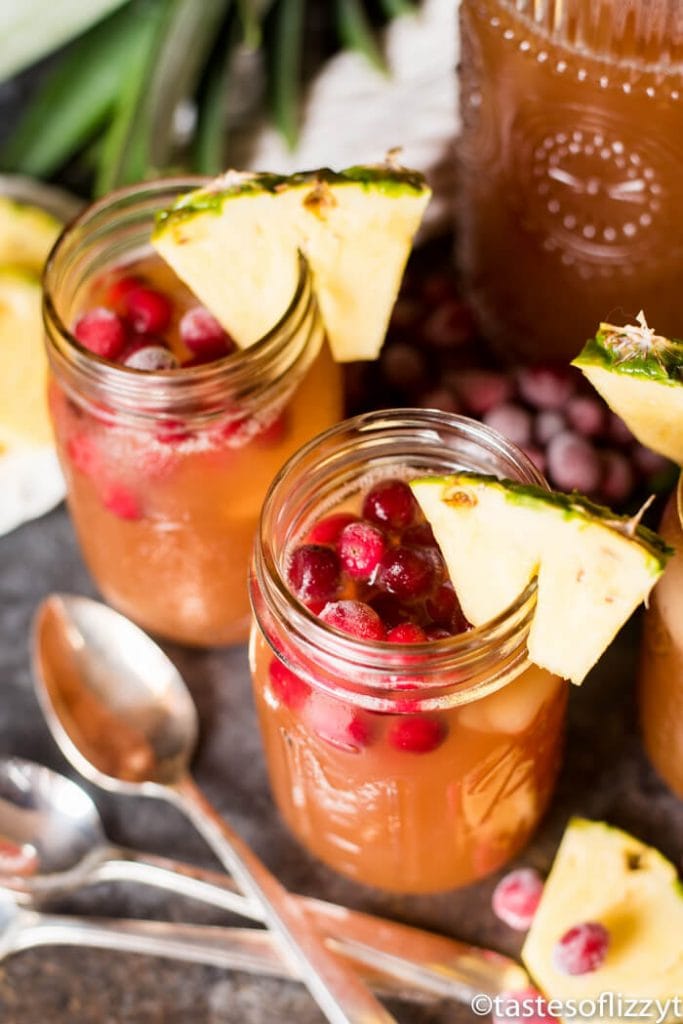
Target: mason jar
<point>166,471</point>
<point>336,712</point>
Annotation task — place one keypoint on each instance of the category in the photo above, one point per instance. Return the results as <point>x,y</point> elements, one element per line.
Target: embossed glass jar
<point>571,193</point>
<point>336,711</point>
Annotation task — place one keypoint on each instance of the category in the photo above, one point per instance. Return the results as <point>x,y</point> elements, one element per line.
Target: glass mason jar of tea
<point>414,767</point>
<point>661,669</point>
<point>570,198</point>
<point>166,469</point>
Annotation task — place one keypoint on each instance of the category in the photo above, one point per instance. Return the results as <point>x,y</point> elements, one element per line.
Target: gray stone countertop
<point>605,776</point>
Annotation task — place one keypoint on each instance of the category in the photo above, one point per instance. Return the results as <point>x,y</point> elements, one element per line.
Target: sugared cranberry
<point>328,530</point>
<point>121,502</point>
<point>581,949</point>
<point>355,618</point>
<point>101,332</point>
<point>314,574</point>
<point>419,735</point>
<point>361,547</point>
<point>573,463</point>
<point>516,898</point>
<point>617,430</point>
<point>147,310</point>
<point>339,724</point>
<point>289,689</point>
<point>149,355</point>
<point>546,387</point>
<point>510,420</point>
<point>202,333</point>
<point>407,633</point>
<point>390,503</point>
<point>405,573</point>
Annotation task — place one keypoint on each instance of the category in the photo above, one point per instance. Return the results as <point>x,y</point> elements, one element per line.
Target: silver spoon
<point>243,949</point>
<point>121,713</point>
<point>52,842</point>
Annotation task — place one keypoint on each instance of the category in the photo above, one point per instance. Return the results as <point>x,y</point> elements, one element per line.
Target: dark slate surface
<point>605,776</point>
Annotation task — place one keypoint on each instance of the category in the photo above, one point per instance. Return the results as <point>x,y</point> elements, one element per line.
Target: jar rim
<point>382,664</point>
<point>260,367</point>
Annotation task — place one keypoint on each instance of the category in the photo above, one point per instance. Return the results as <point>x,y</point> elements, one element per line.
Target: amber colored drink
<point>166,471</point>
<point>413,767</point>
<point>661,671</point>
<point>571,197</point>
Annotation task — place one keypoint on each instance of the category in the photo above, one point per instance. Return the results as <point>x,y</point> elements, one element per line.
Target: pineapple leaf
<point>286,81</point>
<point>356,32</point>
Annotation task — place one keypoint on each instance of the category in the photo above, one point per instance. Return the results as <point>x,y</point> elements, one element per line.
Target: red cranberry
<point>314,574</point>
<point>355,618</point>
<point>101,332</point>
<point>118,290</point>
<point>150,355</point>
<point>407,633</point>
<point>516,898</point>
<point>420,536</point>
<point>147,310</point>
<point>438,633</point>
<point>391,611</point>
<point>202,333</point>
<point>121,502</point>
<point>390,503</point>
<point>444,610</point>
<point>405,573</point>
<point>328,530</point>
<point>289,689</point>
<point>361,547</point>
<point>339,724</point>
<point>581,949</point>
<point>546,387</point>
<point>417,735</point>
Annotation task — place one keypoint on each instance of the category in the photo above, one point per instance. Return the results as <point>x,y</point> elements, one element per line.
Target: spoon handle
<point>333,983</point>
<point>252,950</point>
<point>437,964</point>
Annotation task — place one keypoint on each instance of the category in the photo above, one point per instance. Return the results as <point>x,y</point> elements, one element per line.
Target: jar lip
<point>232,363</point>
<point>381,656</point>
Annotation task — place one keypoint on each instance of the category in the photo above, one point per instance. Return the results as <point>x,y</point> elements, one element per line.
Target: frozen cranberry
<point>328,530</point>
<point>525,1004</point>
<point>546,387</point>
<point>361,547</point>
<point>119,289</point>
<point>586,415</point>
<point>149,355</point>
<point>314,574</point>
<point>482,390</point>
<point>548,422</point>
<point>101,332</point>
<point>202,333</point>
<point>390,503</point>
<point>443,608</point>
<point>405,573</point>
<point>355,618</point>
<point>517,896</point>
<point>510,420</point>
<point>172,431</point>
<point>147,310</point>
<point>407,633</point>
<point>339,724</point>
<point>581,949</point>
<point>573,463</point>
<point>289,689</point>
<point>419,735</point>
<point>121,502</point>
<point>617,477</point>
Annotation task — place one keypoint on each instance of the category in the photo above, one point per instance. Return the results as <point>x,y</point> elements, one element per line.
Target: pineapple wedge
<point>640,376</point>
<point>603,874</point>
<point>235,243</point>
<point>593,567</point>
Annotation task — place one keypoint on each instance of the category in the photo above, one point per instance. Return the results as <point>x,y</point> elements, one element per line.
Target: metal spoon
<point>52,842</point>
<point>121,713</point>
<point>243,949</point>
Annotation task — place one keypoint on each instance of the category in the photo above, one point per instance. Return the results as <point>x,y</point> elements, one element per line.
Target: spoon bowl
<point>116,700</point>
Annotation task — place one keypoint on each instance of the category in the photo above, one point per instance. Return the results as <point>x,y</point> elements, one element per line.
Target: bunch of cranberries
<point>138,326</point>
